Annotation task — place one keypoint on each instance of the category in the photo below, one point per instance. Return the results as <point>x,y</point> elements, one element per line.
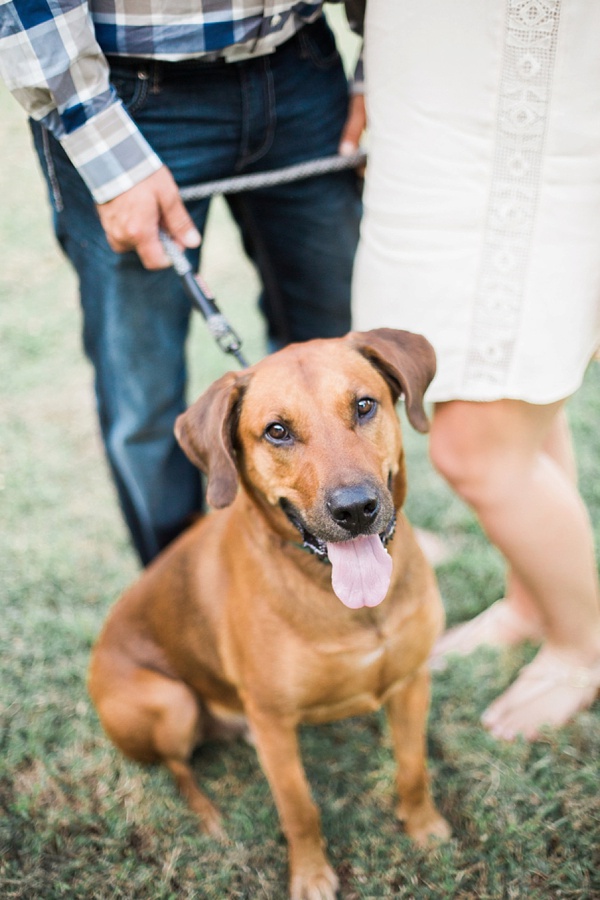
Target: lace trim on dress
<point>529,54</point>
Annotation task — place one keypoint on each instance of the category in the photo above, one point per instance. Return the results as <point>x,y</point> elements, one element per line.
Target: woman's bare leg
<point>559,447</point>
<point>513,463</point>
<point>516,617</point>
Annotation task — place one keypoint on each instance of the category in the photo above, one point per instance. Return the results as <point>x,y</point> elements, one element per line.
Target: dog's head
<point>312,435</point>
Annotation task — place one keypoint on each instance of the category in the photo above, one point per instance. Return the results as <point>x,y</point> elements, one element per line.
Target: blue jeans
<point>208,121</point>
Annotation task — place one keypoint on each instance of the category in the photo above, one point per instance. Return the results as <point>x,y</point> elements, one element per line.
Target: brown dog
<point>303,452</point>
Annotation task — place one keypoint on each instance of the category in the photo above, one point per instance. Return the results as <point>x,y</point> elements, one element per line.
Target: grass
<point>79,822</point>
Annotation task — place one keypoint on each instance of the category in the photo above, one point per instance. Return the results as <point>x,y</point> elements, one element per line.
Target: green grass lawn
<point>76,819</point>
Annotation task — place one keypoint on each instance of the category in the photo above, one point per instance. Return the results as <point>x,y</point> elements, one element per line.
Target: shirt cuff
<point>110,153</point>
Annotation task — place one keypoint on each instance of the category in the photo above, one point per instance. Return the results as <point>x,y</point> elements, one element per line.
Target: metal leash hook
<point>194,286</point>
<point>198,292</point>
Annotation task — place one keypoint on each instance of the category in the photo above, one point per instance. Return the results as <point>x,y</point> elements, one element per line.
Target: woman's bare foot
<point>501,625</point>
<point>547,692</point>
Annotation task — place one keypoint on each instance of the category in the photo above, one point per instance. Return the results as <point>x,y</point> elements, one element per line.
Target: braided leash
<point>194,286</point>
<point>278,176</point>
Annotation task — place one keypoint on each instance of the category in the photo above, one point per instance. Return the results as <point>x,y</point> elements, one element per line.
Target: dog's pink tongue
<point>361,571</point>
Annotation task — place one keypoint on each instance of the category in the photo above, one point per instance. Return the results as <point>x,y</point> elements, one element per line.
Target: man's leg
<point>134,329</point>
<point>136,321</point>
<point>302,236</point>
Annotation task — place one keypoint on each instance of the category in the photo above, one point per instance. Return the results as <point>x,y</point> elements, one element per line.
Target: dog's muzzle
<point>350,529</point>
<point>356,522</point>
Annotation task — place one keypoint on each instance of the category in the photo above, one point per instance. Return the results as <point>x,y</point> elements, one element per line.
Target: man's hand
<point>354,127</point>
<point>131,220</point>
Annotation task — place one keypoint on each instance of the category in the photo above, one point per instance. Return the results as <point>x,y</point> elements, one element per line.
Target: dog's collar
<point>307,548</point>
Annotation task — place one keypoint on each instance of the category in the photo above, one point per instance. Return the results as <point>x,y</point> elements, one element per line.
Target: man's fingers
<point>174,217</point>
<point>354,127</point>
<point>179,226</point>
<point>132,220</point>
<point>152,254</point>
<point>124,236</point>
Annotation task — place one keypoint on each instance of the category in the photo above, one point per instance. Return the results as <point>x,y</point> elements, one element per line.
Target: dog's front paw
<point>210,818</point>
<point>424,826</point>
<point>214,828</point>
<point>315,881</point>
<point>436,830</point>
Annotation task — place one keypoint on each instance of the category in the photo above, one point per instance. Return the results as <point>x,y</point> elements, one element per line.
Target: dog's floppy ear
<point>406,361</point>
<point>206,434</point>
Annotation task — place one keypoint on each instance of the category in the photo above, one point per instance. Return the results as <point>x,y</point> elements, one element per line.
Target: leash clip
<point>198,292</point>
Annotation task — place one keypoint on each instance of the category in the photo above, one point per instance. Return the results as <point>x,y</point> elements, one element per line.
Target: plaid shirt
<point>53,59</point>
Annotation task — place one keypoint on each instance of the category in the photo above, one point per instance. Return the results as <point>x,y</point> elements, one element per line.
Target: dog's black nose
<point>354,508</point>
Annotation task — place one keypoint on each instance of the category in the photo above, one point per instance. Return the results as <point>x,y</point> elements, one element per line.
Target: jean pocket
<point>317,43</point>
<point>132,88</point>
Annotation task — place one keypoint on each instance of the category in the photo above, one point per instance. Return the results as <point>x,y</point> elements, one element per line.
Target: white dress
<point>482,200</point>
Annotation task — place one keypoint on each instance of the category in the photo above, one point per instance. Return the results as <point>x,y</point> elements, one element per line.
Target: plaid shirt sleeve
<point>53,65</point>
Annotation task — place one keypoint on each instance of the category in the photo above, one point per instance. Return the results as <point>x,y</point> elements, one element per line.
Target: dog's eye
<point>365,407</point>
<point>277,433</point>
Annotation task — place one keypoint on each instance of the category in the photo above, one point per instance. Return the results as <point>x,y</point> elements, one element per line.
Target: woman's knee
<point>467,454</point>
<point>447,453</point>
<point>483,448</point>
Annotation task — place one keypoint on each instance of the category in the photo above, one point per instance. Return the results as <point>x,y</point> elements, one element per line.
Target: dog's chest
<point>349,681</point>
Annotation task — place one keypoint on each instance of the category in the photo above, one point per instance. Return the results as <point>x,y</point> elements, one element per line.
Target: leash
<point>198,292</point>
<point>308,169</point>
<point>193,284</point>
